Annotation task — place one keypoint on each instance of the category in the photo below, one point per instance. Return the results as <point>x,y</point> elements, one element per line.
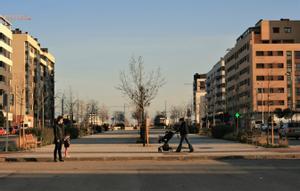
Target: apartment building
<point>263,69</point>
<point>33,81</point>
<point>199,93</point>
<point>5,64</point>
<point>215,89</point>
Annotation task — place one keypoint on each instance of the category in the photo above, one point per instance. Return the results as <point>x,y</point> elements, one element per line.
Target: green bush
<point>221,130</point>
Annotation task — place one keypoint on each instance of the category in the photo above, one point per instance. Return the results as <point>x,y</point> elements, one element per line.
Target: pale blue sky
<point>93,40</point>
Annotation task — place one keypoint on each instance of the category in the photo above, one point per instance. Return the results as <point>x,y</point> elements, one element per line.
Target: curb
<point>158,158</point>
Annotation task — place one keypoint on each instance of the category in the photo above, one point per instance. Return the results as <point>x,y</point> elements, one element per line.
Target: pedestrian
<point>58,137</point>
<point>67,143</point>
<point>183,130</point>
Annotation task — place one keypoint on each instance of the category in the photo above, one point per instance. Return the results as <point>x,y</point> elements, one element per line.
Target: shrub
<point>205,131</point>
<point>47,136</point>
<point>221,130</point>
<point>230,136</point>
<point>44,135</point>
<point>99,128</point>
<point>194,129</point>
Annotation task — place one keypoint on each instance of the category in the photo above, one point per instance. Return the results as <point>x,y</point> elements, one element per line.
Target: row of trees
<point>139,86</point>
<point>79,110</point>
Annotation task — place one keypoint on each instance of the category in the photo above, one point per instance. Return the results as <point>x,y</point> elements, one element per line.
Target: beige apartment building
<point>5,64</point>
<point>215,89</point>
<point>199,93</point>
<point>33,81</point>
<point>263,69</point>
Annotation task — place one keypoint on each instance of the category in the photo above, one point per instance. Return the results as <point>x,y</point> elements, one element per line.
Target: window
<point>270,53</point>
<point>280,65</point>
<point>2,78</point>
<point>280,78</point>
<point>280,102</point>
<point>279,90</point>
<point>259,65</point>
<point>1,92</point>
<point>259,53</point>
<point>276,29</point>
<point>2,64</point>
<point>276,41</point>
<point>279,53</point>
<point>260,78</point>
<point>287,29</point>
<point>297,54</point>
<point>298,104</point>
<point>288,41</point>
<point>297,66</point>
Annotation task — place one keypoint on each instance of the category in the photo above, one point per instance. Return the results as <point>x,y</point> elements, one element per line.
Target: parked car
<point>290,130</point>
<point>14,130</point>
<point>119,126</point>
<point>2,131</point>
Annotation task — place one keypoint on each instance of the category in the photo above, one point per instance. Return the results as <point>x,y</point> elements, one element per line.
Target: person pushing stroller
<point>183,131</point>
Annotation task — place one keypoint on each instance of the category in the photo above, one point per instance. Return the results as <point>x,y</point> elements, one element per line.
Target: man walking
<point>58,137</point>
<point>183,130</point>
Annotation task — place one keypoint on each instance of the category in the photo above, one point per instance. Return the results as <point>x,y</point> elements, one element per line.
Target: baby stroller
<point>165,139</point>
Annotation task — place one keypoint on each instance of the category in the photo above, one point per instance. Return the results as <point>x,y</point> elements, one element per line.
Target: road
<point>205,175</point>
<point>294,142</point>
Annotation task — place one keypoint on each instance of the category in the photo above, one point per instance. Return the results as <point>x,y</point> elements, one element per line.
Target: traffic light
<point>237,115</point>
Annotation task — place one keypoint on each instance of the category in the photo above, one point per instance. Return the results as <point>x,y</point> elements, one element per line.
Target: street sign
<point>237,115</point>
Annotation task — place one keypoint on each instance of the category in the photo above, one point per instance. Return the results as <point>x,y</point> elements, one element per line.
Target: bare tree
<point>70,104</point>
<point>140,87</point>
<point>177,112</point>
<point>103,113</point>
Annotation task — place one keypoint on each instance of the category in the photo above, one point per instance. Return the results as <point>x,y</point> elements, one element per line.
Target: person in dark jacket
<point>183,131</point>
<point>58,138</point>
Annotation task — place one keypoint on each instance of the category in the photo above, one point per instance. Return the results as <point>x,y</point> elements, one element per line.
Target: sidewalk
<point>120,145</point>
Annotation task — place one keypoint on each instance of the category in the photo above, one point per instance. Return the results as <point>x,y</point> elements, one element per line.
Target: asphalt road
<point>294,142</point>
<point>231,175</point>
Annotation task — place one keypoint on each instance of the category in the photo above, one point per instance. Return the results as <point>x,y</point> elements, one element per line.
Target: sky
<point>93,40</point>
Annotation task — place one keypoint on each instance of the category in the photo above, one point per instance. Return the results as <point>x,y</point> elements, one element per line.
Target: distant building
<point>94,119</point>
<point>263,69</point>
<point>5,65</point>
<point>199,97</point>
<point>33,81</point>
<point>215,92</point>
